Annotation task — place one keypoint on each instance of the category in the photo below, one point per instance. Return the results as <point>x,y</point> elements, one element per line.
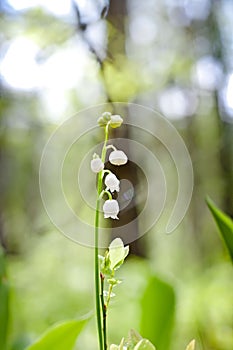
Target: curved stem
<point>107,192</point>
<point>106,171</point>
<point>111,147</point>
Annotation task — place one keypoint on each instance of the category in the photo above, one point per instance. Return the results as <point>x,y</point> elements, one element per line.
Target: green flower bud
<point>116,121</point>
<point>106,116</point>
<point>104,119</point>
<point>117,253</point>
<point>101,122</point>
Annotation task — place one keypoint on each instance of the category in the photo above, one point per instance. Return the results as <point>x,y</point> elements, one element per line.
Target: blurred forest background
<point>58,57</point>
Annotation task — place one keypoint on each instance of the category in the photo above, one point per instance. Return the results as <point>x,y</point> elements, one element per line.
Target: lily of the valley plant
<point>106,265</point>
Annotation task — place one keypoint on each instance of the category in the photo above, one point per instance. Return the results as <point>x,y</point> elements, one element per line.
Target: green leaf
<point>105,264</point>
<point>224,223</point>
<point>4,302</point>
<point>157,314</point>
<point>144,344</point>
<point>59,337</point>
<point>117,253</point>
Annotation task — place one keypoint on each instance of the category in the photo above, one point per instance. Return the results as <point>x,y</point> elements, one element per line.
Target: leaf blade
<point>157,313</point>
<point>61,336</point>
<point>224,223</point>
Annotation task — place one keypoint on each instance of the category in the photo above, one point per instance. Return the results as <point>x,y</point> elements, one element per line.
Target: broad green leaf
<point>59,337</point>
<point>4,302</point>
<point>117,253</point>
<point>191,345</point>
<point>225,225</point>
<point>144,344</point>
<point>157,313</point>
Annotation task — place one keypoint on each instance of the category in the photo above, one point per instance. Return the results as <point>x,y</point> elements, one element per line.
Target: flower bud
<point>111,209</point>
<point>104,119</point>
<point>116,121</point>
<point>97,165</point>
<point>117,253</point>
<point>112,183</point>
<point>101,122</point>
<point>106,116</point>
<point>118,158</point>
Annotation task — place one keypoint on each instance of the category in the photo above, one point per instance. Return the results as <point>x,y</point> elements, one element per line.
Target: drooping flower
<point>118,158</point>
<point>116,121</point>
<point>111,209</point>
<point>96,164</point>
<point>112,183</point>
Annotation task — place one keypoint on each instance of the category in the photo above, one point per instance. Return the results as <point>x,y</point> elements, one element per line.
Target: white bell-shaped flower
<point>118,158</point>
<point>111,209</point>
<point>97,165</point>
<point>112,183</point>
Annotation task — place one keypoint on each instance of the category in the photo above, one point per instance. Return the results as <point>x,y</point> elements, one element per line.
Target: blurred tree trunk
<point>116,48</point>
<point>226,159</point>
<point>226,128</point>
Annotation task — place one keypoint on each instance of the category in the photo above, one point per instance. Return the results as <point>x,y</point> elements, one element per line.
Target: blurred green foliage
<point>4,302</point>
<point>51,278</point>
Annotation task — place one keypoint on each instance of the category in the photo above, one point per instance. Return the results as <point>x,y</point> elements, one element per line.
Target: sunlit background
<point>58,57</point>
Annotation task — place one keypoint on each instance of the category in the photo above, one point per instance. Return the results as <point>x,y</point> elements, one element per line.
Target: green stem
<point>111,147</point>
<point>104,150</point>
<point>109,295</point>
<point>100,321</point>
<point>107,192</point>
<point>97,285</point>
<point>104,311</point>
<point>106,172</point>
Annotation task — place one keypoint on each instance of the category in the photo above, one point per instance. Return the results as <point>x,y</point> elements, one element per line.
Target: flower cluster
<point>116,157</point>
